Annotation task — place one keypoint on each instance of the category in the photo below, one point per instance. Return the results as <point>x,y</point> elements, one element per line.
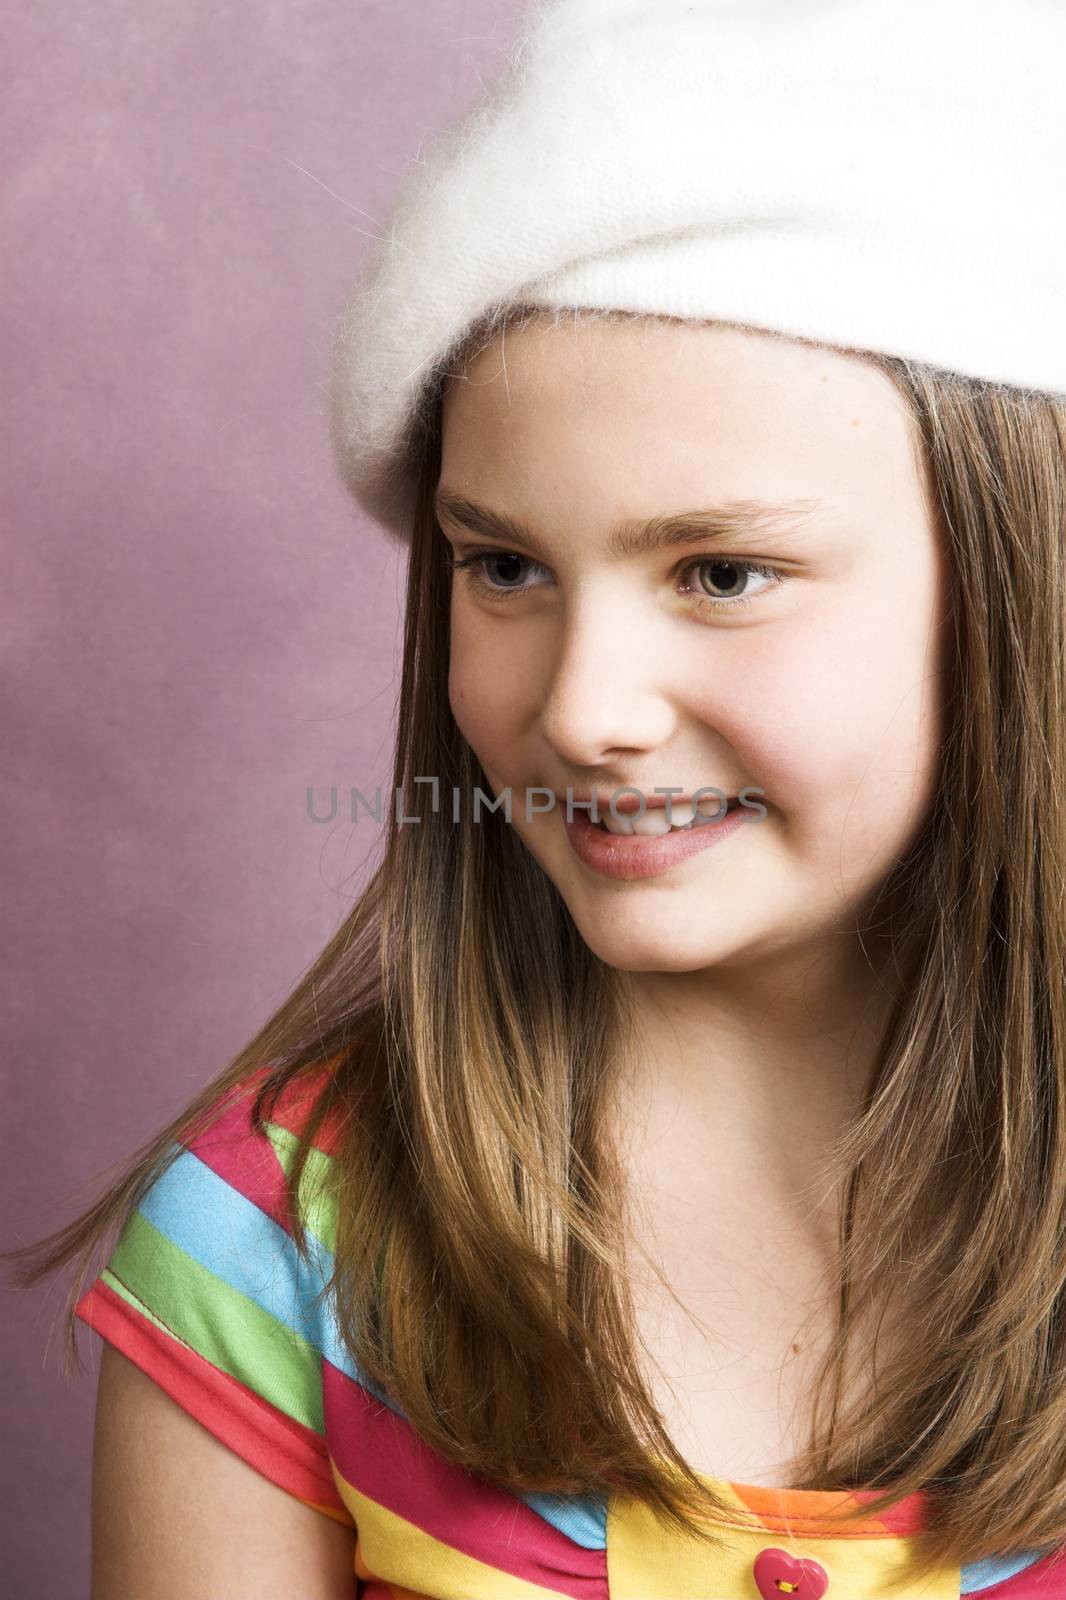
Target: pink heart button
<point>777,1573</point>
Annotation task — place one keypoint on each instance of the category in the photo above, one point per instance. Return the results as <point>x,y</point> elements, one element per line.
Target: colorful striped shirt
<point>206,1293</point>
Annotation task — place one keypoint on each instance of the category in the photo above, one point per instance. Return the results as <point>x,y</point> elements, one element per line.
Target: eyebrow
<point>731,522</point>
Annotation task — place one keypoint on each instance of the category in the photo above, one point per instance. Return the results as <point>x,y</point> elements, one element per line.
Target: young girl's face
<point>578,663</point>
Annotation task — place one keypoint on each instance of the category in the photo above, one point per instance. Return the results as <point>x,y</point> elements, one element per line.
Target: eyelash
<point>469,563</point>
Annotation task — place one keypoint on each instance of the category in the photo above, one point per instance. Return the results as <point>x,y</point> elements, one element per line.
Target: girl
<point>656,1188</point>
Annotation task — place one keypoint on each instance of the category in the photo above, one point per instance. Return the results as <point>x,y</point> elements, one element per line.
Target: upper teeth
<point>654,819</point>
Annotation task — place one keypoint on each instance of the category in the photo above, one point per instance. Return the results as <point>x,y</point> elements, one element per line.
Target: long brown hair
<point>481,1267</point>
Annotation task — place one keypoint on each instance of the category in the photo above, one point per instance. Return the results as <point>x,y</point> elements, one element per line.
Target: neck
<point>740,1077</point>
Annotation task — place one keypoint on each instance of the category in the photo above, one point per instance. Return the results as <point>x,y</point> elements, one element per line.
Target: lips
<point>634,855</point>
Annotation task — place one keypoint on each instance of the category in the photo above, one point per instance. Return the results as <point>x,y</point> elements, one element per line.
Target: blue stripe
<point>217,1226</point>
<point>978,1576</point>
<point>584,1520</point>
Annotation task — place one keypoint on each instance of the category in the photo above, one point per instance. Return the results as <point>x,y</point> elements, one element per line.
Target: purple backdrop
<point>196,623</point>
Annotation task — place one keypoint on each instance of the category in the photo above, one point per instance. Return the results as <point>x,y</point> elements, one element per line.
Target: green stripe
<point>219,1323</point>
<point>120,1289</point>
<point>318,1204</point>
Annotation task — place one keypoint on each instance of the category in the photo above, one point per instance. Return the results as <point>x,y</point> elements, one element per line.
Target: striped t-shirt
<point>205,1292</point>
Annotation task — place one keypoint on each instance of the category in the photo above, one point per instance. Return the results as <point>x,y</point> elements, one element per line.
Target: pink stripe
<point>247,1162</point>
<point>380,1455</point>
<point>294,1106</point>
<point>908,1516</point>
<point>278,1446</point>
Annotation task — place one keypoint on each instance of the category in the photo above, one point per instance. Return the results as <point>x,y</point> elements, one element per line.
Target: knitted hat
<point>883,175</point>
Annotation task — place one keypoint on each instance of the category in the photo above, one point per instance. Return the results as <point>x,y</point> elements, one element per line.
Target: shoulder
<point>208,1293</point>
<point>171,1502</point>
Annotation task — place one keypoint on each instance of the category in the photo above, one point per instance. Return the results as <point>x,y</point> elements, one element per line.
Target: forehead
<point>641,408</point>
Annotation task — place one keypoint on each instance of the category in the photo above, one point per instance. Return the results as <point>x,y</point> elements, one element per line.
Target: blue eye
<point>474,563</point>
<point>473,566</point>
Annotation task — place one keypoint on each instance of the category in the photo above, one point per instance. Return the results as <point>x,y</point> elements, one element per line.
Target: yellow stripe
<point>397,1552</point>
<point>646,1561</point>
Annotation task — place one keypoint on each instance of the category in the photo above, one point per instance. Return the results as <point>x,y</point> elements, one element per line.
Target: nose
<point>609,687</point>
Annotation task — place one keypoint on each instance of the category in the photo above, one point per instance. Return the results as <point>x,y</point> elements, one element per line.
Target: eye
<point>728,572</point>
<point>474,563</point>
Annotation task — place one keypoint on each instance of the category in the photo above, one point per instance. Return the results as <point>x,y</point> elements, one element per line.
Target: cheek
<point>887,708</point>
<point>485,699</point>
<point>841,728</point>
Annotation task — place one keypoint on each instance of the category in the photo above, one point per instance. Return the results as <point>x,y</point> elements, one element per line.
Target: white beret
<point>883,175</point>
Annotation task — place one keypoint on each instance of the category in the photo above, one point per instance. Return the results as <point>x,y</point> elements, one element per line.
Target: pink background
<point>197,624</point>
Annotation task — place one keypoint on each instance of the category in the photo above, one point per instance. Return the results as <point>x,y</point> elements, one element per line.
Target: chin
<point>653,948</point>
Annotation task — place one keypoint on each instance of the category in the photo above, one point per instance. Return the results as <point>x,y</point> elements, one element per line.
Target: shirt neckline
<point>815,1512</point>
